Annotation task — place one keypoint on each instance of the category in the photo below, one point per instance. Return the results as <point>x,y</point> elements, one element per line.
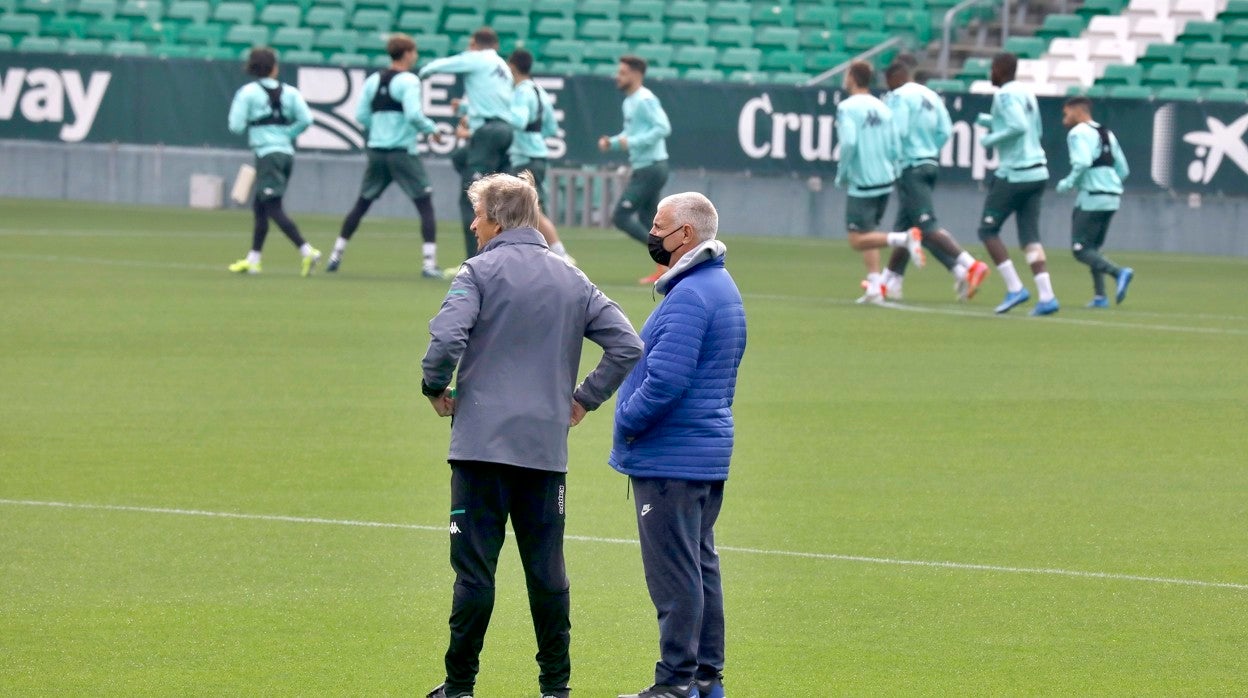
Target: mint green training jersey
<point>531,108</point>
<point>487,83</point>
<point>1015,133</point>
<point>251,103</point>
<point>394,129</point>
<point>1100,188</point>
<point>646,127</point>
<point>869,146</point>
<point>922,122</point>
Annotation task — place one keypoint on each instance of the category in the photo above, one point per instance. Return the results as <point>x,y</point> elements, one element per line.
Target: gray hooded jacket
<point>513,323</point>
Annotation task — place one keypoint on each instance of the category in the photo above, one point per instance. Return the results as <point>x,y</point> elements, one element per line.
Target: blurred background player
<point>488,86</point>
<point>532,117</point>
<point>272,114</point>
<point>1097,168</point>
<point>923,126</point>
<point>646,128</point>
<point>869,153</point>
<point>1017,186</point>
<point>390,110</point>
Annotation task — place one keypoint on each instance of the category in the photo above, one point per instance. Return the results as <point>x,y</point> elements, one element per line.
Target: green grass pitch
<point>929,500</point>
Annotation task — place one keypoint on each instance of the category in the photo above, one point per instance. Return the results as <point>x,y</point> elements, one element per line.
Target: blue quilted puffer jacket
<point>673,415</point>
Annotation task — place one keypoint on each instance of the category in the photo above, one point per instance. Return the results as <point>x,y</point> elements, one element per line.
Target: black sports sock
<point>428,224</point>
<point>260,227</point>
<point>274,208</point>
<point>352,221</point>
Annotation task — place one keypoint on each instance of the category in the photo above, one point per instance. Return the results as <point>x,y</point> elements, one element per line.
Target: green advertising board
<point>760,129</point>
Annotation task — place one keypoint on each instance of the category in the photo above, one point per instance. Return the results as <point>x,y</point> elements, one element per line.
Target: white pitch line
<point>630,541</point>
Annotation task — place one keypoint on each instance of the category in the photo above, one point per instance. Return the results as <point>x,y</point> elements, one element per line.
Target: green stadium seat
<point>325,17</point>
<point>1236,33</point>
<point>64,27</point>
<point>390,6</point>
<point>567,68</point>
<point>376,20</point>
<point>1215,76</point>
<point>729,12</point>
<point>453,6</point>
<point>156,32</point>
<point>503,8</point>
<point>432,6</point>
<point>565,51</point>
<point>650,10</point>
<point>349,60</point>
<point>281,15</point>
<point>115,29</point>
<point>512,26</point>
<point>19,25</point>
<point>39,44</point>
<point>644,31</point>
<point>777,38</point>
<point>704,75</point>
<point>1096,91</point>
<point>1130,92</point>
<point>103,9</point>
<point>732,35</point>
<point>655,54</point>
<point>217,53</point>
<point>330,41</point>
<point>562,9</point>
<point>824,61</point>
<point>1207,53</point>
<point>1026,46</point>
<point>149,10</point>
<point>242,36</point>
<point>1167,75</point>
<point>1179,94</point>
<point>235,13</point>
<point>741,59</point>
<point>790,78</point>
<point>915,23</point>
<point>1200,31</point>
<point>662,73</point>
<point>174,51</point>
<point>748,77</point>
<point>772,14</point>
<point>292,39</point>
<point>381,61</point>
<point>201,35</point>
<point>1235,10</point>
<point>598,9</point>
<point>943,86</point>
<point>689,33</point>
<point>862,40</point>
<point>694,57</point>
<point>784,61</point>
<point>1240,57</point>
<point>127,48</point>
<point>1060,26</point>
<point>43,8</point>
<point>1119,74</point>
<point>604,52</point>
<point>188,12</point>
<point>417,22</point>
<point>1224,94</point>
<point>1157,54</point>
<point>555,28</point>
<point>821,39</point>
<point>820,16</point>
<point>604,70</point>
<point>302,57</point>
<point>601,30</point>
<point>863,18</point>
<point>82,46</point>
<point>1092,8</point>
<point>685,11</point>
<point>432,45</point>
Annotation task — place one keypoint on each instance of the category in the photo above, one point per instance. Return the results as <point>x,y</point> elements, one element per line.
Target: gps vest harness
<point>275,117</point>
<point>382,101</point>
<point>1106,157</point>
<point>535,126</point>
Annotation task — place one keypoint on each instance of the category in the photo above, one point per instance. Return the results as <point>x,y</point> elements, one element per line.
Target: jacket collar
<point>704,252</point>
<point>515,236</point>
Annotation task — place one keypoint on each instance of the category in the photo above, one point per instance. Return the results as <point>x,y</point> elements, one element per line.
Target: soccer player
<point>1017,185</point>
<point>1097,168</point>
<point>646,129</point>
<point>532,117</point>
<point>488,86</point>
<point>923,126</point>
<point>869,153</point>
<point>390,109</point>
<point>272,114</point>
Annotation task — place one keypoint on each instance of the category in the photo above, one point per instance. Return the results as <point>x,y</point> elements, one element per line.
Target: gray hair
<point>696,210</point>
<point>508,200</point>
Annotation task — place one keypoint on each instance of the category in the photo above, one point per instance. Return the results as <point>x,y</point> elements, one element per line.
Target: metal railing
<point>947,29</point>
<point>584,198</point>
<point>879,48</point>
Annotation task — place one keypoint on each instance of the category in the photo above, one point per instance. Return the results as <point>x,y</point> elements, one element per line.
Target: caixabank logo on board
<point>334,93</point>
<point>47,96</point>
<point>1186,156</point>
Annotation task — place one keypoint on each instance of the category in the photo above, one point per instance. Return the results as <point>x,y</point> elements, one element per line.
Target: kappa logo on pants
<point>455,528</point>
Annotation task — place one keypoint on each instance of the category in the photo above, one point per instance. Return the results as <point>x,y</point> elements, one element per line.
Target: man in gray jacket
<point>513,323</point>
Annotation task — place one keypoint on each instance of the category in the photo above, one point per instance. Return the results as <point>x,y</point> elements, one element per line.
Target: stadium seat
<point>1122,75</point>
<point>644,31</point>
<point>1070,49</point>
<point>241,36</point>
<point>1158,54</point>
<point>741,59</point>
<point>914,23</point>
<point>1108,51</point>
<point>704,75</point>
<point>281,15</point>
<point>729,12</point>
<point>1107,27</point>
<point>560,9</point>
<point>1056,26</point>
<point>1194,10</point>
<point>115,29</point>
<point>1205,53</point>
<point>1215,76</point>
<point>555,28</point>
<point>975,69</point>
<point>513,26</point>
<point>1223,94</point>
<point>417,22</point>
<point>863,18</point>
<point>349,60</point>
<point>824,61</point>
<point>141,10</point>
<point>691,33</point>
<point>1147,9</point>
<point>649,10</point>
<point>598,9</point>
<point>201,35</point>
<point>1235,33</point>
<point>292,39</point>
<point>126,48</point>
<point>748,77</point>
<point>64,27</point>
<point>303,57</point>
<point>732,35</point>
<point>1234,10</point>
<point>601,30</point>
<point>1167,75</point>
<point>863,40</point>
<point>794,78</point>
<point>605,70</point>
<point>326,17</point>
<point>1091,8</point>
<point>376,20</point>
<point>820,16</point>
<point>821,39</point>
<point>19,25</point>
<point>784,61</point>
<point>103,9</point>
<point>604,52</point>
<point>568,68</point>
<point>82,46</point>
<point>1072,72</point>
<point>1130,92</point>
<point>508,8</point>
<point>776,38</point>
<point>694,57</point>
<point>234,13</point>
<point>943,86</point>
<point>39,44</point>
<point>686,11</point>
<point>772,13</point>
<point>655,54</point>
<point>431,6</point>
<point>662,73</point>
<point>1026,46</point>
<point>1240,57</point>
<point>188,12</point>
<point>156,33</point>
<point>42,8</point>
<point>1154,29</point>
<point>1178,94</point>
<point>564,51</point>
<point>469,6</point>
<point>432,45</point>
<point>1200,31</point>
<point>330,41</point>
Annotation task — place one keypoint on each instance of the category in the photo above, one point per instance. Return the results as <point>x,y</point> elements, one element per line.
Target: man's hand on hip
<point>443,404</point>
<point>578,413</point>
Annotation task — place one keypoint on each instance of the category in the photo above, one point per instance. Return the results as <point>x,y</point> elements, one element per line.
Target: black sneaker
<point>562,693</point>
<point>440,692</point>
<point>657,691</point>
<point>711,688</point>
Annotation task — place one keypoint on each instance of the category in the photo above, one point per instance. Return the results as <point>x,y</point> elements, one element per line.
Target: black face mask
<point>660,255</point>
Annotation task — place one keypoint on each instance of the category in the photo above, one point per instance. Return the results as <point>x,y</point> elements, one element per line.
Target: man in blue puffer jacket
<point>673,438</point>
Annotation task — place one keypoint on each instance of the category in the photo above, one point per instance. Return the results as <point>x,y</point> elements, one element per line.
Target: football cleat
<point>874,293</point>
<point>915,246</point>
<point>332,266</point>
<point>711,689</point>
<point>656,691</point>
<point>1124,280</point>
<point>975,276</point>
<point>659,271</point>
<point>1045,308</point>
<point>1098,302</point>
<point>432,273</point>
<point>1011,300</point>
<point>309,262</point>
<point>242,266</point>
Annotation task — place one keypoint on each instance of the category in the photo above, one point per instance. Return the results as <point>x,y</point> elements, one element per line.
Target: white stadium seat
<point>1198,10</point>
<point>983,87</point>
<point>1115,51</point>
<point>1148,8</point>
<point>1108,27</point>
<point>1072,49</point>
<point>1157,30</point>
<point>1029,70</point>
<point>1068,73</point>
